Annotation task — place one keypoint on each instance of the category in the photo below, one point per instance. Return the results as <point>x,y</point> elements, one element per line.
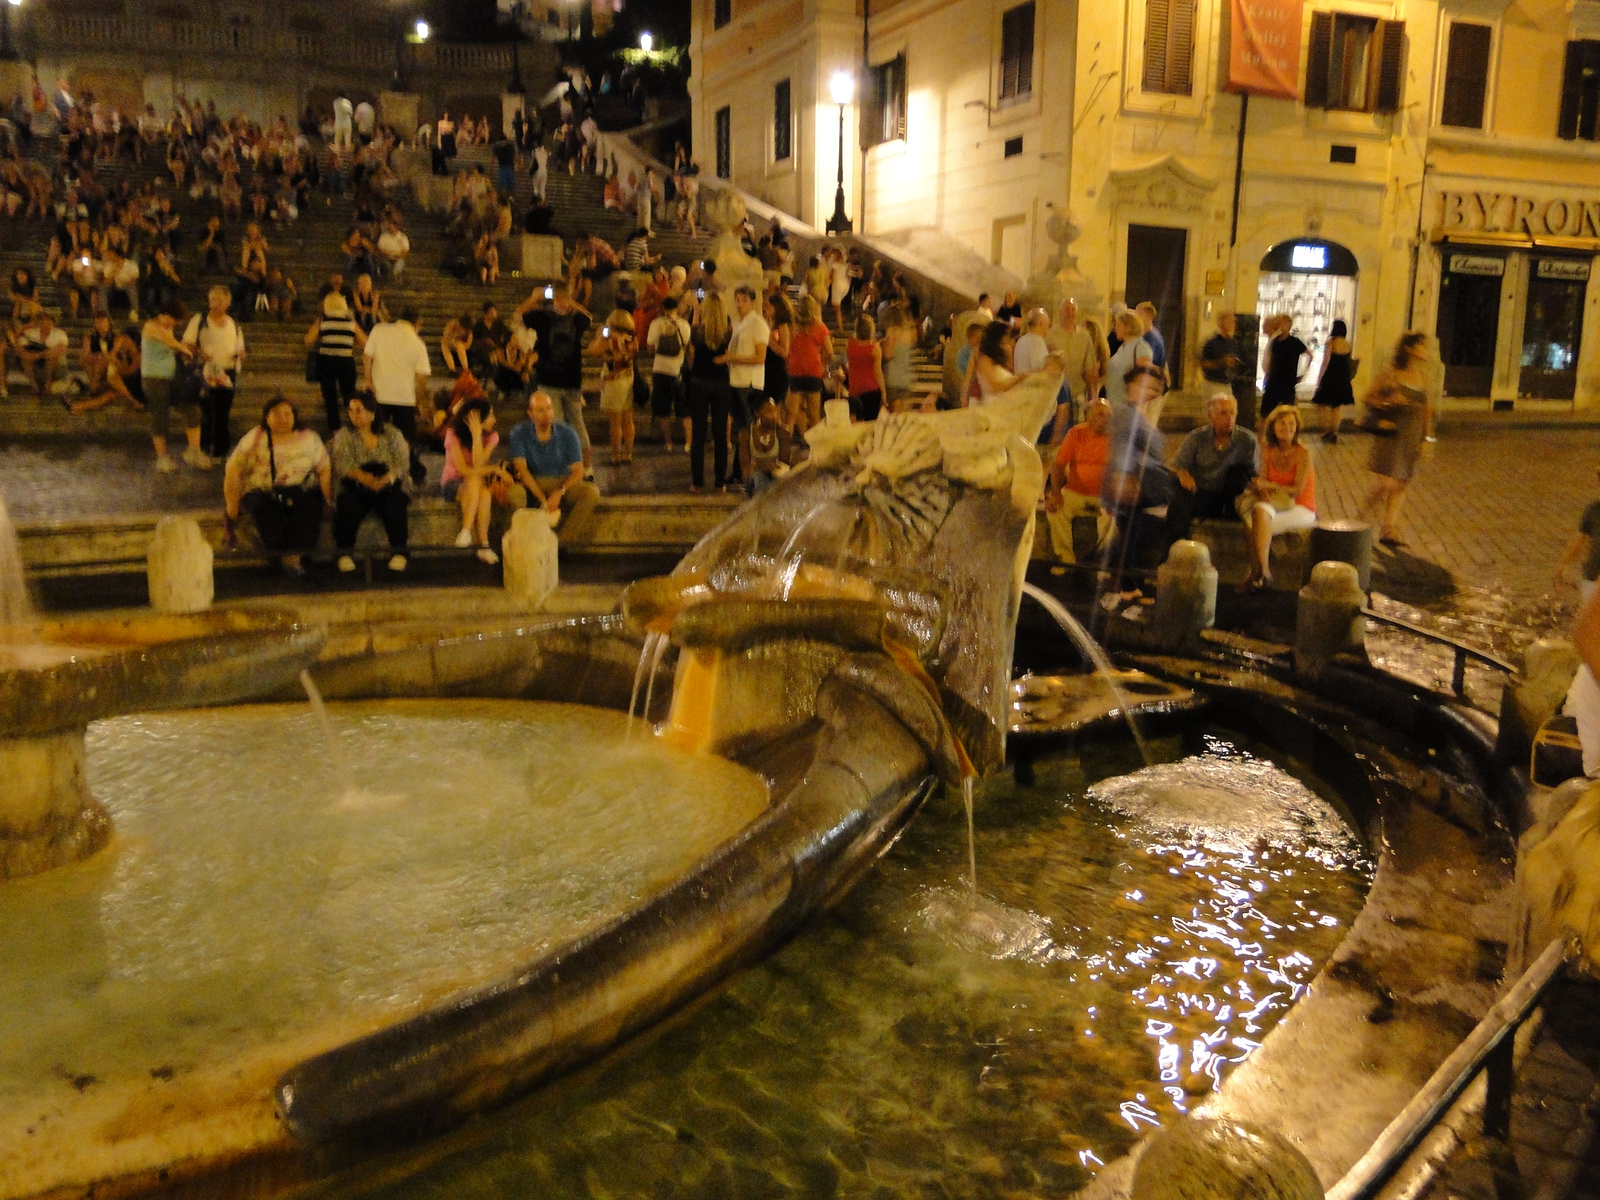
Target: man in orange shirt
<point>1075,480</point>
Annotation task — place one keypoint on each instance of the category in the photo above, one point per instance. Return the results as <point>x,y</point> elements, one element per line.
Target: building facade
<point>1430,165</point>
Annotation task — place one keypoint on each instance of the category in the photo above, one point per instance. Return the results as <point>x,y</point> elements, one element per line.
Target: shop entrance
<point>1314,283</point>
<point>1469,317</point>
<point>1154,272</point>
<point>1552,328</point>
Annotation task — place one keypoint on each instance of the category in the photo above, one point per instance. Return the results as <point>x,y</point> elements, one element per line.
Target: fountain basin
<point>65,674</point>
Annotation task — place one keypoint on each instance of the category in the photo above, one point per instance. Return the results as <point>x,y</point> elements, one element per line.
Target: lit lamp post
<point>841,87</point>
<point>8,48</point>
<point>646,42</point>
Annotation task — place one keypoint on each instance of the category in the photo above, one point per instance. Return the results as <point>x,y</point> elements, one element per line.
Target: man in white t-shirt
<point>668,339</point>
<point>366,121</point>
<point>746,356</point>
<point>397,365</point>
<point>394,247</point>
<point>1028,355</point>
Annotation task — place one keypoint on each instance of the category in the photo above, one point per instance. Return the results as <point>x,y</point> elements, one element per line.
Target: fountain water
<point>344,781</point>
<point>1095,653</point>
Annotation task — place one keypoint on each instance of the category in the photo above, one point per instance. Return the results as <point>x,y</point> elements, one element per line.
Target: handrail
<point>1458,679</point>
<point>1489,1047</point>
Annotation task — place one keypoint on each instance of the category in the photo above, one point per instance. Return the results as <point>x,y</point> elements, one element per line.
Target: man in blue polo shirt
<point>547,463</point>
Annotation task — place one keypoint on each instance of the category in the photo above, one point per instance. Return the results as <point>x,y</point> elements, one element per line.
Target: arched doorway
<point>1314,282</point>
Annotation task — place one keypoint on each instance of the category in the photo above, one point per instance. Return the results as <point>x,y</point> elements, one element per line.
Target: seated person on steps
<point>547,464</point>
<point>1076,477</point>
<point>1213,466</point>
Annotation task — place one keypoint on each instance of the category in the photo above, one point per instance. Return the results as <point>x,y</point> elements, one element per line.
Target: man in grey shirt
<point>1212,466</point>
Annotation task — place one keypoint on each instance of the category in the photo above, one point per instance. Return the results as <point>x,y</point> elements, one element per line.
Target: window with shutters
<point>1016,54</point>
<point>1580,91</point>
<point>724,137</point>
<point>721,13</point>
<point>1169,46</point>
<point>883,115</point>
<point>782,122</point>
<point>1355,63</point>
<point>1466,74</point>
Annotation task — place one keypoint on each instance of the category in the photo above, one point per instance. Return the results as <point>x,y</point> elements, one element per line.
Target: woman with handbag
<point>336,339</point>
<point>220,346</point>
<point>616,350</point>
<point>279,473</point>
<point>1399,397</point>
<point>1282,498</point>
<point>369,458</point>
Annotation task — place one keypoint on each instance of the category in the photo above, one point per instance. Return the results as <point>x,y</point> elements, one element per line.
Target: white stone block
<point>541,256</point>
<point>529,552</point>
<point>178,565</point>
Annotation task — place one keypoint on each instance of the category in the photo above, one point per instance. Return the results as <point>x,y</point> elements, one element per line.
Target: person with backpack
<point>668,340</point>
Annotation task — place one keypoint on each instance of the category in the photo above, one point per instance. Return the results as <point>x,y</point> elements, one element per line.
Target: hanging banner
<point>1264,58</point>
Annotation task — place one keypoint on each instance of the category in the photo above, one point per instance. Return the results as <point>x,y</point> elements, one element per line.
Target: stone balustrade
<point>46,30</point>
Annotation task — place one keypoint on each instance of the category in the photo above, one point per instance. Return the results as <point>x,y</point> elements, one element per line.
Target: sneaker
<point>198,458</point>
<point>397,563</point>
<point>464,538</point>
<point>346,564</point>
<point>165,465</point>
<point>486,555</point>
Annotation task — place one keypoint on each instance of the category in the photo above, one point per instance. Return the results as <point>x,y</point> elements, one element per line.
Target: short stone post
<point>1328,618</point>
<point>1532,698</point>
<point>529,551</point>
<point>178,567</point>
<point>1186,595</point>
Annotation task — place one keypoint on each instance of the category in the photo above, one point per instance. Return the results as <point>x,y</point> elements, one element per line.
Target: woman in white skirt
<point>1283,497</point>
<point>616,382</point>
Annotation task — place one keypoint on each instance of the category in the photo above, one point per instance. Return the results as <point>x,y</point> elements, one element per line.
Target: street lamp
<point>422,30</point>
<point>841,87</point>
<point>646,42</point>
<point>8,49</point>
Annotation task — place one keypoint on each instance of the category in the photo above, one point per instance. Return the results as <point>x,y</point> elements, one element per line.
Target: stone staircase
<point>307,250</point>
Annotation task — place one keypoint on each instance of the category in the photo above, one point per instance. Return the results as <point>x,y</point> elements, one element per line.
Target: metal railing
<point>1489,1050</point>
<point>1458,676</point>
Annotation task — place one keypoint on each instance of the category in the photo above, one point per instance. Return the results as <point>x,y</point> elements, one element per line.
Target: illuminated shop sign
<point>1515,217</point>
<point>1477,264</point>
<point>1309,258</point>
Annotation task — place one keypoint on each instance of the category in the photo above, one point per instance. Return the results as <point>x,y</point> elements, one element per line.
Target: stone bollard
<point>529,551</point>
<point>178,567</point>
<point>1207,1158</point>
<point>1344,541</point>
<point>1532,698</point>
<point>1328,618</point>
<point>1186,595</point>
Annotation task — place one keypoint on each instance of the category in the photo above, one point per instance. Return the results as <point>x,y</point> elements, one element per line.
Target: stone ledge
<point>623,525</point>
<point>1229,544</point>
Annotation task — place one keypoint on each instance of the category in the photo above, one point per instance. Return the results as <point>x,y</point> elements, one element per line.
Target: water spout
<point>647,654</point>
<point>1091,650</point>
<point>972,843</point>
<point>344,780</point>
<point>650,685</point>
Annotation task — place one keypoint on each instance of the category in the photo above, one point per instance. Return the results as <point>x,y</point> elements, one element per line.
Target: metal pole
<point>866,74</point>
<point>1238,166</point>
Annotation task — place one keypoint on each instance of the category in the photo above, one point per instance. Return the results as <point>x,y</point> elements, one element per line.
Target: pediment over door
<point>1166,185</point>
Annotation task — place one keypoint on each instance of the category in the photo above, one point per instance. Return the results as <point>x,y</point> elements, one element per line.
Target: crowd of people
<point>746,370</point>
<point>1115,496</point>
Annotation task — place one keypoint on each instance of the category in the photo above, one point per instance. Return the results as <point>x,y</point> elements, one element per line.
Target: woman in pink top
<point>1283,497</point>
<point>864,357</point>
<point>810,352</point>
<point>468,478</point>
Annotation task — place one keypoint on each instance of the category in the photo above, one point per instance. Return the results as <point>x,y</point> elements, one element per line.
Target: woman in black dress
<point>1333,389</point>
<point>1284,353</point>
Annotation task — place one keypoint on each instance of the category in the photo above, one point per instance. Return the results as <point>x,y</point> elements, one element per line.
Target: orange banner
<point>1264,59</point>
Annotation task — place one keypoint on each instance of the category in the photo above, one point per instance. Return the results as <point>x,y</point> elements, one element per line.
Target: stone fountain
<point>58,676</point>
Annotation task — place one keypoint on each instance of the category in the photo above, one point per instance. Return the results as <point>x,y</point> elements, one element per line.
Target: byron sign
<point>1515,216</point>
<point>1264,48</point>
